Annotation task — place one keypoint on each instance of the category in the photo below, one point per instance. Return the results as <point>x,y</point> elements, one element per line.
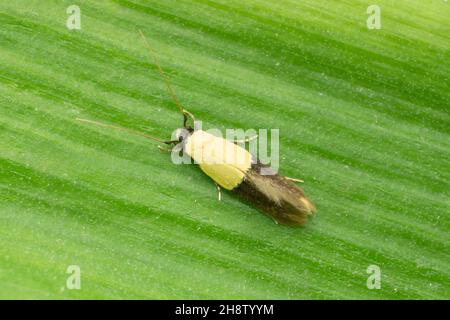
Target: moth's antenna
<point>162,73</point>
<point>137,133</point>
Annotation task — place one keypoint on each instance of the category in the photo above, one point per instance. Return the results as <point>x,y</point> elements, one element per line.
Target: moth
<point>232,167</point>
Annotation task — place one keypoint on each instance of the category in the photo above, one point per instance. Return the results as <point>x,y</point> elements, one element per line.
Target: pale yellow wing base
<point>225,162</point>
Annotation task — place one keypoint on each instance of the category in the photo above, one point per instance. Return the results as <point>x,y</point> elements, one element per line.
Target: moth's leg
<point>169,142</point>
<point>187,114</point>
<point>295,180</point>
<point>246,139</point>
<point>185,119</point>
<point>219,193</point>
<point>164,149</point>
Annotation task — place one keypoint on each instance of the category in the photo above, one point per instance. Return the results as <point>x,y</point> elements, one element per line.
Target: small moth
<point>234,168</point>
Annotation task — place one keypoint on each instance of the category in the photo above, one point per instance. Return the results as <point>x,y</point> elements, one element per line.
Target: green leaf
<point>363,118</point>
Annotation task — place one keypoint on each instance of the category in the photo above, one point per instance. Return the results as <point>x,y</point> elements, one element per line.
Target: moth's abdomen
<point>276,196</point>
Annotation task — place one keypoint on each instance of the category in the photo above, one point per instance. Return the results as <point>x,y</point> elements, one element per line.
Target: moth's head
<point>182,134</point>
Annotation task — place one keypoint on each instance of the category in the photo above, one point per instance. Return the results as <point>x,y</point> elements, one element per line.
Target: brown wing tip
<point>300,220</point>
<point>310,208</point>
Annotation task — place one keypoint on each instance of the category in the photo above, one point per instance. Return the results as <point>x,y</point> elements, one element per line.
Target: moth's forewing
<point>225,162</point>
<point>276,196</point>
